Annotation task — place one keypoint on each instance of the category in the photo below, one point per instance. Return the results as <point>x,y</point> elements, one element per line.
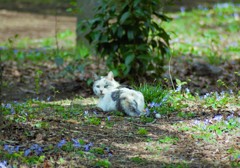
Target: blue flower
<point>196,122</point>
<point>27,152</point>
<point>179,88</point>
<point>39,150</point>
<point>152,104</point>
<point>9,149</point>
<point>5,147</point>
<point>182,9</point>
<point>109,151</point>
<point>12,111</point>
<point>187,90</point>
<point>48,99</point>
<point>207,121</point>
<point>36,148</point>
<point>8,106</point>
<point>3,164</point>
<point>217,117</point>
<point>230,116</point>
<point>61,143</point>
<point>206,95</point>
<point>17,148</point>
<point>88,146</point>
<point>85,112</point>
<point>76,143</point>
<point>147,111</point>
<point>108,118</point>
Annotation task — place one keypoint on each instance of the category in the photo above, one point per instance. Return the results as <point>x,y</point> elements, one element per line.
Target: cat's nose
<point>101,91</point>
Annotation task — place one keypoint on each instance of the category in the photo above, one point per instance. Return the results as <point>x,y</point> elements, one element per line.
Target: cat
<point>116,97</point>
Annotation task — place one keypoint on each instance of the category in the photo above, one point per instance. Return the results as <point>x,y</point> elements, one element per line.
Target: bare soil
<point>33,26</point>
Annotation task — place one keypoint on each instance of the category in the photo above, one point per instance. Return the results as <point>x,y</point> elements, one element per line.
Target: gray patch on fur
<point>115,95</point>
<point>125,86</point>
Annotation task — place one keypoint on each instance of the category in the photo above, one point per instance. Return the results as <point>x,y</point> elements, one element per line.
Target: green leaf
<point>130,35</point>
<point>135,3</point>
<point>162,17</point>
<point>129,59</point>
<point>120,32</point>
<point>124,17</point>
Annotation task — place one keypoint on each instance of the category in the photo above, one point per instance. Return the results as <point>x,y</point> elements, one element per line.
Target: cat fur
<point>116,97</point>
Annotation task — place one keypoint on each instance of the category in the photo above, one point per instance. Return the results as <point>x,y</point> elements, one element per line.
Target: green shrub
<point>127,37</point>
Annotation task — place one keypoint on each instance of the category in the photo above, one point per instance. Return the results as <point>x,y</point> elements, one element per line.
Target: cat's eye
<point>98,86</point>
<point>105,86</point>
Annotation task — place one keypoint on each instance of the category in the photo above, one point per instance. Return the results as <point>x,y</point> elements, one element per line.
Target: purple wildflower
<point>3,164</point>
<point>206,95</point>
<point>86,112</point>
<point>8,106</point>
<point>15,51</point>
<point>206,122</point>
<point>9,149</point>
<point>196,122</point>
<point>109,151</point>
<point>61,143</point>
<point>217,117</point>
<point>152,104</point>
<point>27,152</point>
<point>48,99</point>
<point>76,143</point>
<point>17,148</point>
<point>147,111</point>
<point>182,9</point>
<point>37,149</point>
<point>88,146</point>
<point>179,88</point>
<point>108,118</point>
<point>12,111</point>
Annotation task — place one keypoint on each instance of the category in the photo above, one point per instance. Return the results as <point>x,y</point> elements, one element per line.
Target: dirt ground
<point>33,26</point>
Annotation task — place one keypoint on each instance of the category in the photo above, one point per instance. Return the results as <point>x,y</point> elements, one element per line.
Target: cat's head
<point>104,84</point>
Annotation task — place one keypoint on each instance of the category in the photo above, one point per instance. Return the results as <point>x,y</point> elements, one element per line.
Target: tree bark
<point>86,11</point>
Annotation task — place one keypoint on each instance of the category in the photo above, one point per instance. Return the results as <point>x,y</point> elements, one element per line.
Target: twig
<point>56,32</point>
<point>169,71</point>
<point>147,124</point>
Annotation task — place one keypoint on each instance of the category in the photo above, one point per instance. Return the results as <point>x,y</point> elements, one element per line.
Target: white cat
<point>114,97</point>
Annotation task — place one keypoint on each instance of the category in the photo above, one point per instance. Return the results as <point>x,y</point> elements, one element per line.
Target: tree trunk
<point>86,11</point>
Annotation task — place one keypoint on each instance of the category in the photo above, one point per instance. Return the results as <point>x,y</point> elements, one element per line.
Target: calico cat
<point>115,97</point>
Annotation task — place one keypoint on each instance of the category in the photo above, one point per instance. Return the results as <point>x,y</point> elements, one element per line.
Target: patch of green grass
<point>137,160</point>
<point>142,131</point>
<point>168,139</point>
<point>211,34</point>
<point>186,114</point>
<point>152,93</point>
<point>93,120</point>
<point>164,101</point>
<point>97,150</point>
<point>103,163</point>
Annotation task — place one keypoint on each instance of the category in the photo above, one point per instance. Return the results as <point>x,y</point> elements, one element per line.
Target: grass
<point>191,129</point>
<point>211,34</point>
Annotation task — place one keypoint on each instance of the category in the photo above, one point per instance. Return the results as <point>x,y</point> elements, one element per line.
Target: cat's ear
<point>110,76</point>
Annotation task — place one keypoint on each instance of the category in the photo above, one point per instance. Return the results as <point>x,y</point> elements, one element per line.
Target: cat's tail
<point>129,106</point>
